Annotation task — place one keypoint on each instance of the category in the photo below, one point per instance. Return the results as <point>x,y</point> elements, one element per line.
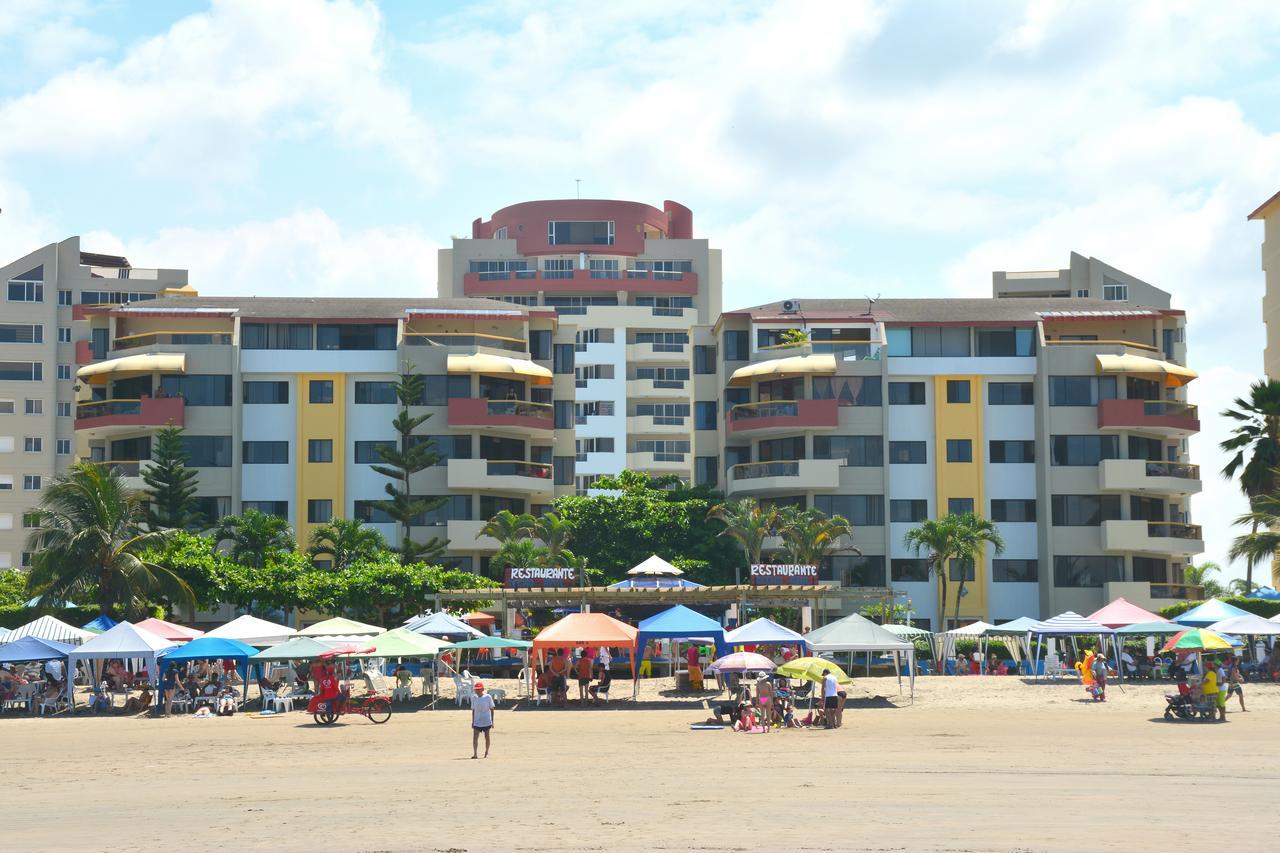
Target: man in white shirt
<point>482,711</point>
<point>830,697</point>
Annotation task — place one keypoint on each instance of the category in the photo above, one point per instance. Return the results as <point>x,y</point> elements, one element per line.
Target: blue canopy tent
<point>764,632</point>
<point>100,624</point>
<point>680,623</point>
<point>33,649</point>
<point>1266,593</point>
<point>1213,610</point>
<point>210,648</point>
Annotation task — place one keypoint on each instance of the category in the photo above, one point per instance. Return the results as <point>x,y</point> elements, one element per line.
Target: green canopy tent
<point>495,644</point>
<point>401,643</point>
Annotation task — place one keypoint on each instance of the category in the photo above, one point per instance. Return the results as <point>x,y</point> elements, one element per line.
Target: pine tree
<point>171,485</point>
<point>412,453</point>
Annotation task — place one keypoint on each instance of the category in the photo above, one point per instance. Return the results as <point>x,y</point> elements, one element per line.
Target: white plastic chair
<point>55,704</point>
<point>281,702</point>
<point>464,689</point>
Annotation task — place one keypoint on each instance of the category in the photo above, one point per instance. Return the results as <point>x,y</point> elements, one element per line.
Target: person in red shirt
<point>330,689</point>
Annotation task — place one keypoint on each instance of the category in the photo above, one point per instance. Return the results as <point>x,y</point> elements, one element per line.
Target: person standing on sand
<point>169,685</point>
<point>1099,668</point>
<point>584,677</point>
<point>1235,684</point>
<point>830,698</point>
<point>483,709</point>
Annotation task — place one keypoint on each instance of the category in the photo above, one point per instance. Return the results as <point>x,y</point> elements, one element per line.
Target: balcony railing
<point>469,411</point>
<point>1181,470</point>
<point>148,339</point>
<point>1174,530</point>
<point>756,470</point>
<point>436,339</point>
<point>656,275</point>
<point>784,414</point>
<point>124,467</point>
<point>1104,343</point>
<point>669,312</point>
<point>844,350</point>
<point>105,408</point>
<point>580,280</point>
<point>668,457</point>
<point>518,468</point>
<point>1185,592</point>
<point>148,411</point>
<point>1169,408</point>
<point>519,409</point>
<point>767,409</point>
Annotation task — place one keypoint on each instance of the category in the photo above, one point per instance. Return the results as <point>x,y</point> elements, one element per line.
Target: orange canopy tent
<point>479,619</point>
<point>589,630</point>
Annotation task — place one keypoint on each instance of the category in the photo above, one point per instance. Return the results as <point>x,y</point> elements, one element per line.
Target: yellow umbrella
<point>810,669</point>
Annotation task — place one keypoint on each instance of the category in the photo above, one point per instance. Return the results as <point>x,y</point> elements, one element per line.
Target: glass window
<point>852,570</point>
<point>957,390</point>
<point>375,393</point>
<point>959,450</point>
<point>959,506</point>
<point>1010,393</point>
<point>1015,571</point>
<point>25,333</point>
<point>564,414</point>
<point>355,336</point>
<point>319,450</point>
<point>1081,390</point>
<point>595,233</point>
<point>34,406</point>
<point>1086,571</point>
<point>908,511</point>
<point>33,444</point>
<point>319,511</point>
<point>207,451</point>
<point>859,451</point>
<point>64,297</point>
<point>1013,509</point>
<point>1150,449</point>
<point>704,359</point>
<point>265,452</point>
<point>961,570</point>
<point>1006,452</point>
<point>1005,342</point>
<point>280,509</point>
<point>1150,570</point>
<point>266,392</point>
<point>21,371</point>
<point>320,390</point>
<point>562,470</point>
<point>1083,450</point>
<point>706,470</point>
<point>540,344</point>
<point>448,447</point>
<point>439,390</point>
<point>736,345</point>
<point>293,336</point>
<point>125,449</point>
<point>455,508</point>
<point>909,570</point>
<point>781,449</point>
<point>31,482</point>
<point>211,508</point>
<point>1114,291</point>
<point>1146,509</point>
<point>198,390</point>
<point>846,390</point>
<point>859,510</point>
<point>370,513</point>
<point>906,393</point>
<point>704,415</point>
<point>491,505</point>
<point>929,341</point>
<point>1084,510</point>
<point>26,291</point>
<point>366,452</point>
<point>907,453</point>
<point>563,359</point>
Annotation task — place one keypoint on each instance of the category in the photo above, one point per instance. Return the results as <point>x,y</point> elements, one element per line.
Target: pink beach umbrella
<point>743,662</point>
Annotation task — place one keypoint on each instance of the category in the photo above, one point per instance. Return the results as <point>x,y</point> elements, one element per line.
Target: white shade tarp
<point>855,633</point>
<point>124,641</point>
<point>655,565</point>
<point>253,631</point>
<point>49,628</point>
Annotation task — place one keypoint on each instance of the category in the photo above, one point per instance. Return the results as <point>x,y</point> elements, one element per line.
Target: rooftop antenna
<point>871,301</point>
<point>578,186</point>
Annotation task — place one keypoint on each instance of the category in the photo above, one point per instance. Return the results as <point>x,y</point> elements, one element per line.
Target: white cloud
<point>200,100</point>
<point>304,254</point>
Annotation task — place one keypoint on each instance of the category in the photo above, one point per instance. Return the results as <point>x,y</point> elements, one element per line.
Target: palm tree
<point>809,536</point>
<point>1257,436</point>
<point>937,540</point>
<point>89,538</point>
<point>254,536</point>
<point>975,533</point>
<point>1260,544</point>
<point>1240,587</point>
<point>347,541</point>
<point>1198,575</point>
<point>554,532</point>
<point>519,553</point>
<point>747,522</point>
<point>507,527</point>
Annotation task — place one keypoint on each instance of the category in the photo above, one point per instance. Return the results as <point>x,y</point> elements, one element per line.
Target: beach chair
<point>464,689</point>
<point>182,700</point>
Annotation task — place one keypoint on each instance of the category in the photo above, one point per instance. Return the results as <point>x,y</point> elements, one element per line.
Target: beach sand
<point>972,764</point>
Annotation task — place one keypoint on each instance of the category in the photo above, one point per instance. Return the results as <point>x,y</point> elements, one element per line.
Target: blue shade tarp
<point>1213,610</point>
<point>100,624</point>
<point>764,632</point>
<point>211,648</point>
<point>681,623</point>
<point>33,649</point>
<point>443,625</point>
<point>1266,593</point>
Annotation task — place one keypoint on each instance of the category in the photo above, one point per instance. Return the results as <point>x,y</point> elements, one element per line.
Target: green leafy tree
<point>1198,574</point>
<point>171,485</point>
<point>411,454</point>
<point>255,537</point>
<point>974,535</point>
<point>194,558</point>
<point>346,541</point>
<point>1254,446</point>
<point>961,537</point>
<point>13,588</point>
<point>1239,587</point>
<point>90,539</point>
<point>809,536</point>
<point>794,337</point>
<point>747,523</point>
<point>520,553</point>
<point>555,533</point>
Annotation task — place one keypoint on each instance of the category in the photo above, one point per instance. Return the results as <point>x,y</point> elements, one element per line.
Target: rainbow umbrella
<point>1197,640</point>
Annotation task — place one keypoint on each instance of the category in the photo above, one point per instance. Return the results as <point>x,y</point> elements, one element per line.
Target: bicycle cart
<point>374,706</point>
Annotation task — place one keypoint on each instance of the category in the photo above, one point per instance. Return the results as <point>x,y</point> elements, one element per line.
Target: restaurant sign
<point>783,575</point>
<point>541,576</point>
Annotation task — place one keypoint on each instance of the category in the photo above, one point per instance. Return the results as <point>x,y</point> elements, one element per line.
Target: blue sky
<point>855,147</point>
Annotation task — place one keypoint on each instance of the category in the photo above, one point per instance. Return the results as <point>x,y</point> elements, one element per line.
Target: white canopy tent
<point>1019,629</point>
<point>339,629</point>
<point>125,641</point>
<point>856,633</point>
<point>947,648</point>
<point>655,565</point>
<point>1072,624</point>
<point>49,628</point>
<point>253,631</point>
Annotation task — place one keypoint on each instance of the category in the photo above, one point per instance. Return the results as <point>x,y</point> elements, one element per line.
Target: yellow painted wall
<point>961,479</point>
<point>320,480</point>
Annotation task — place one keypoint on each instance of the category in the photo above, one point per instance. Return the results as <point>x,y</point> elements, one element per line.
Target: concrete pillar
<point>806,618</point>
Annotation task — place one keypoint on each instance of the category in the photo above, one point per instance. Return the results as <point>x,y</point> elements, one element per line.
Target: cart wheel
<point>1168,715</point>
<point>326,718</point>
<point>379,711</point>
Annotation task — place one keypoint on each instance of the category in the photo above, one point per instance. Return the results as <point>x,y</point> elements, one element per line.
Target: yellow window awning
<point>1173,375</point>
<point>820,364</point>
<point>499,365</point>
<point>152,362</point>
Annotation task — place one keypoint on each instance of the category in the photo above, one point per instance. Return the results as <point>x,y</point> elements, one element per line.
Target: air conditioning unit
<point>791,306</point>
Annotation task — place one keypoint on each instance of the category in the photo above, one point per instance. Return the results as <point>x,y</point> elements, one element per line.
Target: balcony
<point>776,416</point>
<point>842,350</point>
<point>1151,595</point>
<point>1166,538</point>
<point>1163,417</point>
<point>663,389</point>
<point>659,463</point>
<point>509,414</point>
<point>84,352</point>
<point>1140,475</point>
<point>176,339</point>
<point>800,475</point>
<point>658,425</point>
<point>112,416</point>
<point>577,281</point>
<point>513,476</point>
<point>467,341</point>
<point>658,352</point>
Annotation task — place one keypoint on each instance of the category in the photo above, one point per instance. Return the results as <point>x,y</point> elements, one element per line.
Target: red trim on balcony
<point>466,412</point>
<point>154,411</point>
<point>809,414</point>
<point>526,223</point>
<point>582,282</point>
<point>84,352</point>
<point>1132,413</point>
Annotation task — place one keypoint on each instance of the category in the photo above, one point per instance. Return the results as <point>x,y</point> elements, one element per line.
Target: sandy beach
<point>972,764</point>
